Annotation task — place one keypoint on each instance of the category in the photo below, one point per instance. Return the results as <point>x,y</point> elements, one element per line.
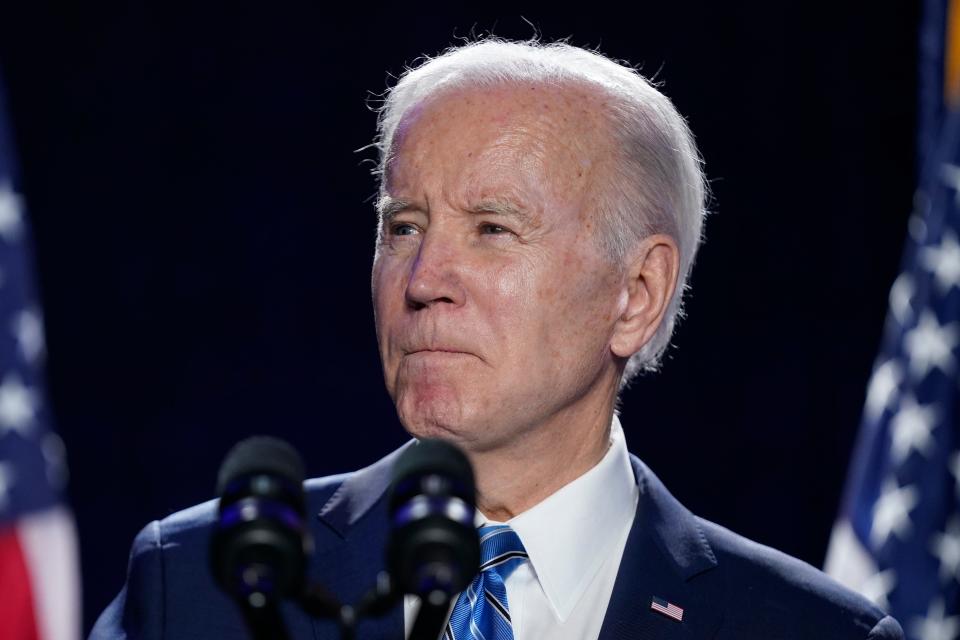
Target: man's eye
<point>402,229</point>
<point>488,228</point>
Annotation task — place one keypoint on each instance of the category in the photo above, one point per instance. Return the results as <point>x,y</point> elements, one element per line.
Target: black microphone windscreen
<point>433,550</point>
<point>435,457</point>
<point>261,454</point>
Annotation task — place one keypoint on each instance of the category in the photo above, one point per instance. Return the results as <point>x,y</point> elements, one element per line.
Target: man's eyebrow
<point>501,207</point>
<point>387,207</point>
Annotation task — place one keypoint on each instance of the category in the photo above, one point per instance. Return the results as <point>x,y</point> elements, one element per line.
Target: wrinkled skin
<point>497,313</point>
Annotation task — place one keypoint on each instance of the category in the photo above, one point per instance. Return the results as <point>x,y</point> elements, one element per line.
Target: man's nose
<point>435,273</point>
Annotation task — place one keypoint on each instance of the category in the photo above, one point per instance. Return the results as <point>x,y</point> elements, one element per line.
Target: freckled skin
<point>494,330</point>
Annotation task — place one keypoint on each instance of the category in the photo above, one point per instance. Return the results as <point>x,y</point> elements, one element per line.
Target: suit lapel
<point>666,557</point>
<point>350,536</point>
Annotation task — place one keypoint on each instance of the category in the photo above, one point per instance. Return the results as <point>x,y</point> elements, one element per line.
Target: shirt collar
<point>597,506</point>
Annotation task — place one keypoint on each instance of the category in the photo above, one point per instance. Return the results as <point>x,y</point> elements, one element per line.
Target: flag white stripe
<point>49,543</point>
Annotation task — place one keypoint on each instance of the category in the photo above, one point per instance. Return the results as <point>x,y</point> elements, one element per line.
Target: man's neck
<point>556,453</point>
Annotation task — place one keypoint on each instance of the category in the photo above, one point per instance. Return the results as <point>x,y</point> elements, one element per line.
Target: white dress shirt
<point>575,539</point>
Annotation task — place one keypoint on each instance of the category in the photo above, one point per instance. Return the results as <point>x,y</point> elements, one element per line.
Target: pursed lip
<point>436,350</point>
<point>439,351</point>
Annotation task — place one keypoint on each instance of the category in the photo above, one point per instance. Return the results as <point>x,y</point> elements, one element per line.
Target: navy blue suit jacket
<point>729,587</point>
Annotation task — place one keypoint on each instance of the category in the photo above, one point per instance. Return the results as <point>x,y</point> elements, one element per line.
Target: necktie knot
<point>500,549</point>
<point>481,611</point>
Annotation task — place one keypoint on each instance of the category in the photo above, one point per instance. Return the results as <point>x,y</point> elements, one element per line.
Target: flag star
<point>11,212</point>
<point>950,173</point>
<point>891,513</point>
<point>911,428</point>
<point>6,483</point>
<point>901,294</point>
<point>877,588</point>
<point>944,261</point>
<point>935,626</point>
<point>18,405</point>
<point>946,548</point>
<point>28,329</point>
<point>930,344</point>
<point>883,383</point>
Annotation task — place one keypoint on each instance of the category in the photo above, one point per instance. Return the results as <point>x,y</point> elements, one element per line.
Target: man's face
<point>494,306</point>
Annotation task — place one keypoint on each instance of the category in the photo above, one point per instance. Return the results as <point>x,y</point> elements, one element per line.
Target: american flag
<point>897,539</point>
<point>40,595</point>
<point>667,608</point>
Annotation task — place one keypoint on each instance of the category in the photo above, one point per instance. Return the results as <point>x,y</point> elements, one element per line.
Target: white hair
<point>657,184</point>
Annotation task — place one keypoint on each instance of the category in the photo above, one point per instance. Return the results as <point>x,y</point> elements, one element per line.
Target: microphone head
<point>434,550</point>
<point>429,461</point>
<point>263,455</point>
<point>258,548</point>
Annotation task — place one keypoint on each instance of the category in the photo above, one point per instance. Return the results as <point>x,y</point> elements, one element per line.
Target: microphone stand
<point>318,603</point>
<point>263,619</point>
<point>431,617</point>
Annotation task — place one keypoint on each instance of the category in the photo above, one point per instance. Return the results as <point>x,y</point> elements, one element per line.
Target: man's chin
<point>433,419</point>
<point>432,425</point>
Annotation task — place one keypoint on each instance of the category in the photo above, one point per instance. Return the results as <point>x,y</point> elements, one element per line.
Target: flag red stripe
<point>17,617</point>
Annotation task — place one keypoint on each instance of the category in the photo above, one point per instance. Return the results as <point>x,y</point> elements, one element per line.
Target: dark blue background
<point>204,235</point>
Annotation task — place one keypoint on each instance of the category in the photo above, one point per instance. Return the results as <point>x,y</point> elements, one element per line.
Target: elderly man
<point>540,208</point>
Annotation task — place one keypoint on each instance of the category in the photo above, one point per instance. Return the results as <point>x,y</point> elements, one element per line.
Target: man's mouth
<point>438,350</point>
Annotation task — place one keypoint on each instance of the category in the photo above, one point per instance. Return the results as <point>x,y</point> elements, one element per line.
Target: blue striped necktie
<point>481,611</point>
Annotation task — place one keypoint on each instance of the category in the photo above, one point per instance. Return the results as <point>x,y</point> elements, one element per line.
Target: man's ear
<point>651,281</point>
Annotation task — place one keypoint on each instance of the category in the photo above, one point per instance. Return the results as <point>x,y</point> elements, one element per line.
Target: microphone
<point>259,546</point>
<point>434,549</point>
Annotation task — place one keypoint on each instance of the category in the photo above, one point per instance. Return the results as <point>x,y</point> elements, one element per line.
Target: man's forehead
<point>535,122</point>
<point>575,110</point>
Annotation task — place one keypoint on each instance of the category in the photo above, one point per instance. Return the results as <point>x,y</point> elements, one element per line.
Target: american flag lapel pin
<point>667,608</point>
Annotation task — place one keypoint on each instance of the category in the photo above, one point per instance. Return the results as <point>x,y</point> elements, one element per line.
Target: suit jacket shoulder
<point>794,594</point>
<point>728,586</point>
